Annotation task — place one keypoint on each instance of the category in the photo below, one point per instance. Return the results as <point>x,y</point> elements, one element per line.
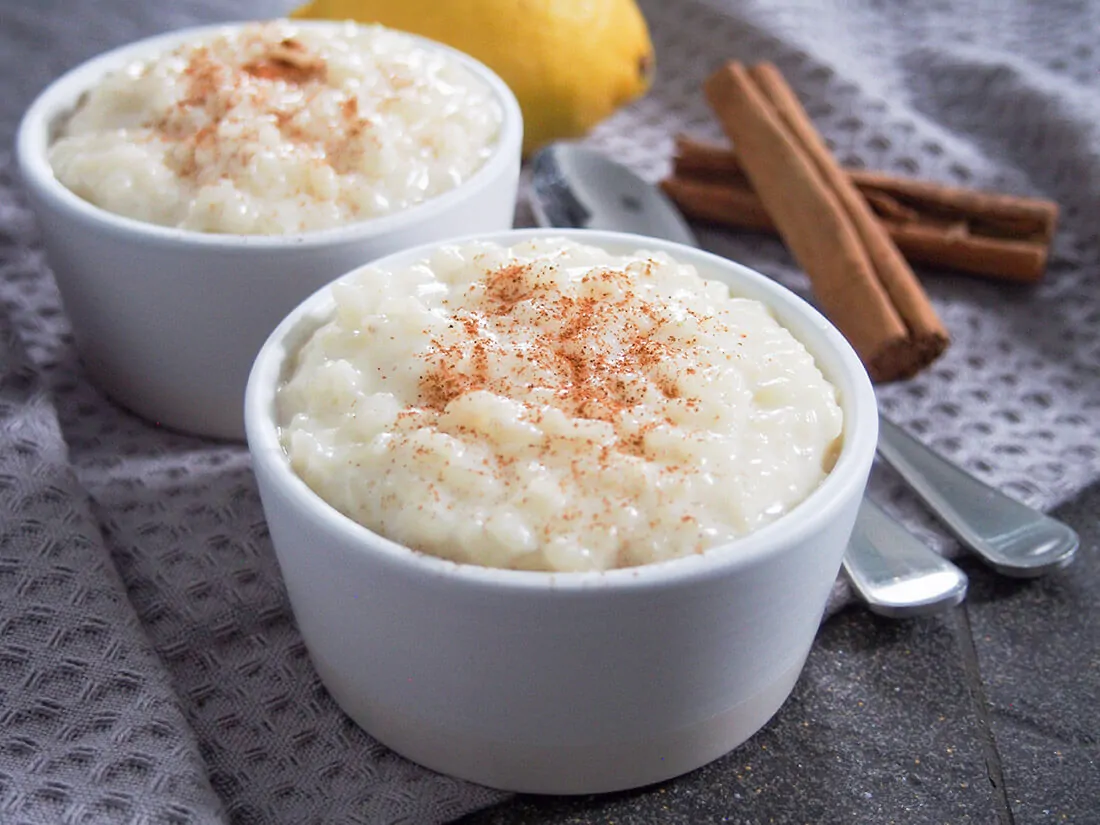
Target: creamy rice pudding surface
<point>277,128</point>
<point>552,406</point>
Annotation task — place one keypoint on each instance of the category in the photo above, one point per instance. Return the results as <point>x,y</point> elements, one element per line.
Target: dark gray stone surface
<point>1038,648</point>
<point>988,714</point>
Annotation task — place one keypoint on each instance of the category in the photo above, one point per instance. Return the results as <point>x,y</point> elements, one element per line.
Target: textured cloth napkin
<point>150,669</point>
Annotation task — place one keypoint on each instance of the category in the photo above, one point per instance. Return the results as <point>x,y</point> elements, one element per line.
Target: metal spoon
<point>893,572</point>
<point>1013,538</point>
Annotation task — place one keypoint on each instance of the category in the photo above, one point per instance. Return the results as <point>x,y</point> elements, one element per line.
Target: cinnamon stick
<point>999,236</point>
<point>861,280</point>
<point>1003,215</point>
<point>733,205</point>
<point>920,240</point>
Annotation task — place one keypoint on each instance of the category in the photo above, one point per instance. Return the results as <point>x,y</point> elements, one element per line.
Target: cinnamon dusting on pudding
<point>278,128</point>
<point>588,351</point>
<point>288,61</point>
<point>216,91</point>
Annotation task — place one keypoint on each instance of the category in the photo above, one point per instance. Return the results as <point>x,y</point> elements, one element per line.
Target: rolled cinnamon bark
<point>920,240</point>
<point>986,214</point>
<point>736,206</point>
<point>859,277</point>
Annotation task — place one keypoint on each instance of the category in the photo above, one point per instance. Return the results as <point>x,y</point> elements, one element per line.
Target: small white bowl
<point>168,321</point>
<point>563,683</point>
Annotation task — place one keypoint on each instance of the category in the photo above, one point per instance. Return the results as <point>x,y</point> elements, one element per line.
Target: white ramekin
<point>168,321</point>
<point>569,682</point>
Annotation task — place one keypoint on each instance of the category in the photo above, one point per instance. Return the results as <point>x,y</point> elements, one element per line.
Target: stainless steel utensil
<point>894,573</point>
<point>1013,538</point>
<point>890,570</point>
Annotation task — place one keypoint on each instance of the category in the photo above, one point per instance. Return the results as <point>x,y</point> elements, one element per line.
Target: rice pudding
<point>278,128</point>
<point>552,406</point>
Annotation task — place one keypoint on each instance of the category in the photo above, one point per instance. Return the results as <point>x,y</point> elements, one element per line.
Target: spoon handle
<point>1014,539</point>
<point>894,573</point>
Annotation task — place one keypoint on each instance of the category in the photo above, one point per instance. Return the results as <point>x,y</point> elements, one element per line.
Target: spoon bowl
<point>1014,539</point>
<point>574,187</point>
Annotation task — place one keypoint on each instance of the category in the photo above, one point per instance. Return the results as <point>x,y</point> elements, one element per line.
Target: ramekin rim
<point>850,470</point>
<point>57,97</point>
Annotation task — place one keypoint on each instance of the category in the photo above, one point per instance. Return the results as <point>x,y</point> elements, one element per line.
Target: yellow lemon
<point>570,63</point>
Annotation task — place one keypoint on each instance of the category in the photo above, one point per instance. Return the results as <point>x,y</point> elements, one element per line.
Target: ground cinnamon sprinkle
<point>594,357</point>
<point>592,350</point>
<point>290,62</point>
<point>215,87</point>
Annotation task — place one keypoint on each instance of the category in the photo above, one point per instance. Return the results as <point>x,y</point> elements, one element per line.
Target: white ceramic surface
<point>563,683</point>
<point>169,321</point>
